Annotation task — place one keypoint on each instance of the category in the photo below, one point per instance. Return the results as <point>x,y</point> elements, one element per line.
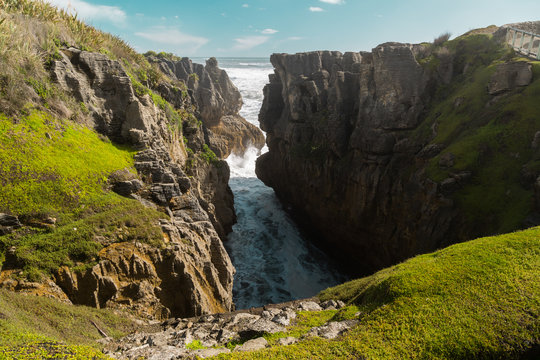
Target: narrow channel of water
<point>274,263</point>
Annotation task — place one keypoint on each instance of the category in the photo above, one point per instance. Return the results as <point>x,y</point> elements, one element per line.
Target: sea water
<point>274,261</point>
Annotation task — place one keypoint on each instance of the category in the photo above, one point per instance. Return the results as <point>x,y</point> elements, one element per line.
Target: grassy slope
<point>30,327</point>
<point>474,300</point>
<point>50,167</point>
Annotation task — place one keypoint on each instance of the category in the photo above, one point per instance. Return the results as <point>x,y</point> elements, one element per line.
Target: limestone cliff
<point>373,150</point>
<point>218,102</point>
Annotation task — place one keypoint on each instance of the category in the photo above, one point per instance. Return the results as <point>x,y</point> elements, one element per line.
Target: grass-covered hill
<point>474,300</point>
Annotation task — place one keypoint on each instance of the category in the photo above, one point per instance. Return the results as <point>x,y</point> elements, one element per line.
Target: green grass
<point>49,165</point>
<point>76,243</point>
<point>36,327</point>
<point>493,141</point>
<point>474,300</point>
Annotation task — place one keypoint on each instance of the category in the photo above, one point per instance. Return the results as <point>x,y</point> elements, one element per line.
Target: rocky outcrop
<point>335,128</point>
<point>509,76</point>
<point>191,274</point>
<point>176,337</point>
<point>345,153</point>
<point>218,102</point>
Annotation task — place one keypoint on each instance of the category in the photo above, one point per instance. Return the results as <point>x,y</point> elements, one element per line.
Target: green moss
<point>76,243</point>
<point>53,168</point>
<point>475,300</point>
<point>195,345</point>
<point>49,165</point>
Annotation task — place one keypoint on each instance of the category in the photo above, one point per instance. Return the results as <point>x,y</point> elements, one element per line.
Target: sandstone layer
<point>348,154</point>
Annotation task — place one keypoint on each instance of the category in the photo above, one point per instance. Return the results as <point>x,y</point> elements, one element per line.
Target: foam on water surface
<point>274,262</point>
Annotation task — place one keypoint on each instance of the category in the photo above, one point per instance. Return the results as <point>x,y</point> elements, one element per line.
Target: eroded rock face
<point>509,76</point>
<point>218,102</point>
<point>336,128</point>
<point>191,274</point>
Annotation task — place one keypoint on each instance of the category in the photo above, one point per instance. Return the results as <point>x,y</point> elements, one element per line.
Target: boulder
<point>332,330</point>
<point>252,345</point>
<point>509,76</point>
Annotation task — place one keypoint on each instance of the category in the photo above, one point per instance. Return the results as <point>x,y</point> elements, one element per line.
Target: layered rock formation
<point>347,154</point>
<point>218,101</point>
<point>191,273</point>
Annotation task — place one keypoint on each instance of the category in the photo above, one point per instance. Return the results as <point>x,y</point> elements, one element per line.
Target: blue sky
<point>262,27</point>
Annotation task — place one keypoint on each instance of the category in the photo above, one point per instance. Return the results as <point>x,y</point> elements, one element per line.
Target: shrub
<point>441,39</point>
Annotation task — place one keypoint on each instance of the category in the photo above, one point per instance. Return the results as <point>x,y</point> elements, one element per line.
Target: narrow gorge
<point>164,207</point>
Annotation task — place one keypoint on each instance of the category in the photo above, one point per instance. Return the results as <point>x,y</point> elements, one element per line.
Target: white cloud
<point>248,42</point>
<point>245,5</point>
<point>173,37</point>
<point>333,2</point>
<point>89,12</point>
<point>295,38</point>
<point>315,9</point>
<point>269,31</point>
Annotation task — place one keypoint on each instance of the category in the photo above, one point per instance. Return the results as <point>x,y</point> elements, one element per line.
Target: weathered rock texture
<point>191,274</point>
<point>173,339</point>
<point>344,154</point>
<point>218,101</point>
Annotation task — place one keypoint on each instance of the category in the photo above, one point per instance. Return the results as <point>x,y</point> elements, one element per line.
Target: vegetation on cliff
<point>488,135</point>
<point>91,155</point>
<point>474,300</point>
<point>54,170</point>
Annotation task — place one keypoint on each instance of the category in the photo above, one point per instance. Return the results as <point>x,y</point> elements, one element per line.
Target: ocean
<point>274,261</point>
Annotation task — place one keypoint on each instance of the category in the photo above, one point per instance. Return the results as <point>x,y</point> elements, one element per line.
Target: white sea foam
<point>274,263</point>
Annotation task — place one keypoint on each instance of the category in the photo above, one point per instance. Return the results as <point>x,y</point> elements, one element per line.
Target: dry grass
<point>31,36</point>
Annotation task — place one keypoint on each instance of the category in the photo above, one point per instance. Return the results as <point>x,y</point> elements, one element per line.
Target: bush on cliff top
<point>474,300</point>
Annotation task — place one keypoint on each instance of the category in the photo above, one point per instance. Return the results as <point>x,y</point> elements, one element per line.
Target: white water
<point>274,263</point>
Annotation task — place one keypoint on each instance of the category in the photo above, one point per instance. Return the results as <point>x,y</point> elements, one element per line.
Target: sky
<point>258,28</point>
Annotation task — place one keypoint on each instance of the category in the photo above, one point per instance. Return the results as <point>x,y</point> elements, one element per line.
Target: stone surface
<point>218,102</point>
<point>8,223</point>
<point>206,353</point>
<point>176,335</point>
<point>253,345</point>
<point>310,306</point>
<point>509,76</point>
<point>9,220</point>
<point>341,158</point>
<point>332,330</point>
